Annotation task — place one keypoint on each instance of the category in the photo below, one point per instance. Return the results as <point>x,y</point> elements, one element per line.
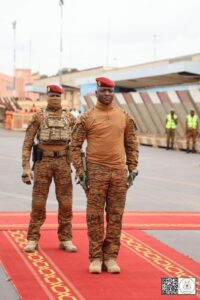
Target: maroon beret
<point>104,82</point>
<point>55,88</point>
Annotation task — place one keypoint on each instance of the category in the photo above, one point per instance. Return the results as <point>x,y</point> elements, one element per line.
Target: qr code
<point>169,286</point>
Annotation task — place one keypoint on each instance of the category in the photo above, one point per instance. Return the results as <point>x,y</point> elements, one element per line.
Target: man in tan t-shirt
<point>112,158</point>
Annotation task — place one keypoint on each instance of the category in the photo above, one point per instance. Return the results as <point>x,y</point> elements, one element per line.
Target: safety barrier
<point>20,121</point>
<point>149,110</point>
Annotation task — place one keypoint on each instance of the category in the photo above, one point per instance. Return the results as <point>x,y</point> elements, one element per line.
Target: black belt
<point>54,153</point>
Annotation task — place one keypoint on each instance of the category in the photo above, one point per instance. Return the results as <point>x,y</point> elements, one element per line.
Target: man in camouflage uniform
<point>52,127</point>
<point>112,148</point>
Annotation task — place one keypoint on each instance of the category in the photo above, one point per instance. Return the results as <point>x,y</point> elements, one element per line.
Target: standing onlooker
<point>8,119</point>
<point>33,109</point>
<point>170,125</point>
<point>192,122</point>
<point>74,112</point>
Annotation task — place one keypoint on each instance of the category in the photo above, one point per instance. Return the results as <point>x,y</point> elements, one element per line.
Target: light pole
<point>108,42</point>
<point>14,23</point>
<point>61,3</point>
<point>155,47</point>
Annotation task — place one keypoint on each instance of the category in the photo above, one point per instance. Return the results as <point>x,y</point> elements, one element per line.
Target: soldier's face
<point>105,95</point>
<point>54,101</point>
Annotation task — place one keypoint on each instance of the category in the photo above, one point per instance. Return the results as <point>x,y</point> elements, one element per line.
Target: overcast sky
<point>96,33</point>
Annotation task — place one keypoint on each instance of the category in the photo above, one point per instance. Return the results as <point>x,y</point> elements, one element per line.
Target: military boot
<point>68,246</point>
<point>111,266</point>
<point>31,246</point>
<point>95,266</point>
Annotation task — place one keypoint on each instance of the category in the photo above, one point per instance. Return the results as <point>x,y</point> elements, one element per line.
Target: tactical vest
<point>54,129</point>
<point>192,122</point>
<point>171,122</point>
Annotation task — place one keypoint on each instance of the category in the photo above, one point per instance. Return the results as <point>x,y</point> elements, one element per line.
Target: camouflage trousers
<point>45,170</point>
<point>107,191</point>
<point>170,137</point>
<point>191,136</point>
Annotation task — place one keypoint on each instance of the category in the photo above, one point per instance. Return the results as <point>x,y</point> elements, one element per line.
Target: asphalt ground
<point>167,181</point>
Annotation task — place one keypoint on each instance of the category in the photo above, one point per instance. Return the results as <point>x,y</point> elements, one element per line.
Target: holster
<point>84,161</point>
<point>36,154</point>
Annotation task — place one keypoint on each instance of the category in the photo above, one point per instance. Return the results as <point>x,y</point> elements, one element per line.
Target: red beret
<point>104,82</point>
<point>55,88</point>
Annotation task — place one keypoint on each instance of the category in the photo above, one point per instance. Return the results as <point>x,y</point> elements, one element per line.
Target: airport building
<point>147,91</point>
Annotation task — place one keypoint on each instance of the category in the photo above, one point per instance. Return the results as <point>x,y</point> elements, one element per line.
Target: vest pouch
<point>54,130</point>
<point>65,134</point>
<point>44,134</point>
<point>55,125</point>
<point>55,122</point>
<point>55,134</point>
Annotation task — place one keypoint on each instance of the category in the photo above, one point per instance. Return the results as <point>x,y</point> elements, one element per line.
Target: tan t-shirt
<point>111,138</point>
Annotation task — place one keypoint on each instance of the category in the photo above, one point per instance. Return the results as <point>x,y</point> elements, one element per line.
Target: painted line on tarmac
<point>14,195</point>
<point>20,196</point>
<point>171,180</point>
<point>50,201</point>
<point>9,157</point>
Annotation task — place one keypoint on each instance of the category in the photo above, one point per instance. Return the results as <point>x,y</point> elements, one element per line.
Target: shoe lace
<point>112,263</point>
<point>68,243</point>
<point>32,243</point>
<point>96,262</point>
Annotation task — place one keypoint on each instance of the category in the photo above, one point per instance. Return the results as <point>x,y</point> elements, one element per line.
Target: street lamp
<point>14,23</point>
<point>108,42</point>
<point>61,3</point>
<point>155,47</point>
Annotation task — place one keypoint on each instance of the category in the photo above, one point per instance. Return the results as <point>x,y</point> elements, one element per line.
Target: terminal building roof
<point>182,72</point>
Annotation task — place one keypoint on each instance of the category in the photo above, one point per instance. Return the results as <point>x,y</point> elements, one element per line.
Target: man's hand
<point>27,176</point>
<point>83,181</point>
<point>131,177</point>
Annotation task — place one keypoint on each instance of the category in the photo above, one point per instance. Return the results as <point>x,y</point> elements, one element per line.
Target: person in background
<point>191,131</point>
<point>75,113</point>
<point>109,170</point>
<point>170,125</point>
<point>8,119</point>
<point>52,127</point>
<point>33,109</point>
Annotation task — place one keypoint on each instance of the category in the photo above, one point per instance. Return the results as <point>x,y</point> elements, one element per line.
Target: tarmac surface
<point>167,181</point>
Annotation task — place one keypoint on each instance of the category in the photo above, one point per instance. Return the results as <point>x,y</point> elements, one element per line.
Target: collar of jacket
<point>54,109</point>
<point>101,106</point>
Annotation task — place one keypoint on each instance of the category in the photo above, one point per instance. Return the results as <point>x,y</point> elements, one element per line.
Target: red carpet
<point>131,220</point>
<point>55,274</point>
